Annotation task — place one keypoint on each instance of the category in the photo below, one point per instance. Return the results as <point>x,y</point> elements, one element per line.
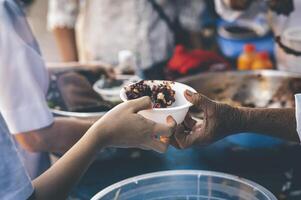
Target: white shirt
<point>23,82</point>
<point>105,27</point>
<point>23,76</point>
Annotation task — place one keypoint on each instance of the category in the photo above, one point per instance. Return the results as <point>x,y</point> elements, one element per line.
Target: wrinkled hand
<point>123,127</point>
<point>219,121</point>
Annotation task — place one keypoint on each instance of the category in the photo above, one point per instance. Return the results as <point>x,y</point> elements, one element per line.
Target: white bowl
<point>112,94</point>
<point>177,110</point>
<point>292,38</point>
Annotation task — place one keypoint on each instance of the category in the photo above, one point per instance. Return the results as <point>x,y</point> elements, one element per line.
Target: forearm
<point>66,42</point>
<point>57,182</point>
<point>279,123</point>
<point>58,138</point>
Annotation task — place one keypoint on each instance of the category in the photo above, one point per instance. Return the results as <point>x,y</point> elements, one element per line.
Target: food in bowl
<point>179,104</point>
<point>162,95</point>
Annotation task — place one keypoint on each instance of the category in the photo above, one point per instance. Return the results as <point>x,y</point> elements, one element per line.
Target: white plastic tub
<point>185,185</point>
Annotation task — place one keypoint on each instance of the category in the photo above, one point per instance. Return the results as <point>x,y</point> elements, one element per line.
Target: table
<point>278,168</point>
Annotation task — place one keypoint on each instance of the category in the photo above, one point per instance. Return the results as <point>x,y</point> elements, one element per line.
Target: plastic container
<point>185,185</point>
<point>262,61</point>
<point>178,110</point>
<point>246,59</point>
<point>111,92</point>
<point>288,62</point>
<point>231,44</point>
<point>292,38</point>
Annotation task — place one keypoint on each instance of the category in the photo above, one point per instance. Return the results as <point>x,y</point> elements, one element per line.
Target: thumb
<point>197,99</point>
<point>139,104</point>
<point>163,130</point>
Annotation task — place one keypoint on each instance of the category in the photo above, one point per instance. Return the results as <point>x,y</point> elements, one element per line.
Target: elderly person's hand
<point>123,127</point>
<point>219,120</point>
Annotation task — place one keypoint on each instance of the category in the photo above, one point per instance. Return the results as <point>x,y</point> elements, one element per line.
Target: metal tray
<point>55,101</point>
<point>263,88</point>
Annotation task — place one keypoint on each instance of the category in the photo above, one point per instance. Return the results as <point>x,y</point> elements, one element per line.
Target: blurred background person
<point>94,30</point>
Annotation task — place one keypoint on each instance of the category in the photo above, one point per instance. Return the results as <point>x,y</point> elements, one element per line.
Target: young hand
<point>124,127</point>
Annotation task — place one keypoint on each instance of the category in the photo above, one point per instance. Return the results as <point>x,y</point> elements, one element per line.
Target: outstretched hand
<point>217,122</point>
<point>124,127</point>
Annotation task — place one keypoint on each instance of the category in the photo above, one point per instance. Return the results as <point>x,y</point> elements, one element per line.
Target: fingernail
<point>189,93</point>
<point>169,118</point>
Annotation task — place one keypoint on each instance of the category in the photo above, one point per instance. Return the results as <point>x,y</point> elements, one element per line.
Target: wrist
<point>243,119</point>
<point>101,134</point>
<point>236,120</point>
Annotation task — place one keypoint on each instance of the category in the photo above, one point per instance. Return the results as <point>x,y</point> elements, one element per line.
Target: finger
<point>165,130</point>
<point>202,139</point>
<point>180,128</point>
<point>162,130</point>
<point>189,122</point>
<point>139,104</point>
<point>197,99</point>
<point>185,140</point>
<point>158,146</point>
<point>174,143</point>
<point>171,122</point>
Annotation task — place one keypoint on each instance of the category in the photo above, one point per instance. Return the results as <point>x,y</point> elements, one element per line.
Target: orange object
<point>262,61</point>
<point>164,139</point>
<point>245,60</point>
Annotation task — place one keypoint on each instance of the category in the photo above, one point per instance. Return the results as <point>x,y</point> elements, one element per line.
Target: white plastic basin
<point>185,185</point>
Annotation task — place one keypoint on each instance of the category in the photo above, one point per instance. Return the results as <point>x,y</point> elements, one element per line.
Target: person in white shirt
<point>222,120</point>
<point>24,82</point>
<point>96,30</point>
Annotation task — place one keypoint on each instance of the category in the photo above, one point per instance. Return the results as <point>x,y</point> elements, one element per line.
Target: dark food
<point>282,98</point>
<point>239,29</point>
<point>285,93</point>
<point>162,95</point>
<point>240,4</point>
<point>282,7</point>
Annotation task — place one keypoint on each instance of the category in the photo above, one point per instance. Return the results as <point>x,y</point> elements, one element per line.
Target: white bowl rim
<point>199,173</point>
<point>110,91</point>
<point>186,105</point>
<point>105,91</point>
<point>287,34</point>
